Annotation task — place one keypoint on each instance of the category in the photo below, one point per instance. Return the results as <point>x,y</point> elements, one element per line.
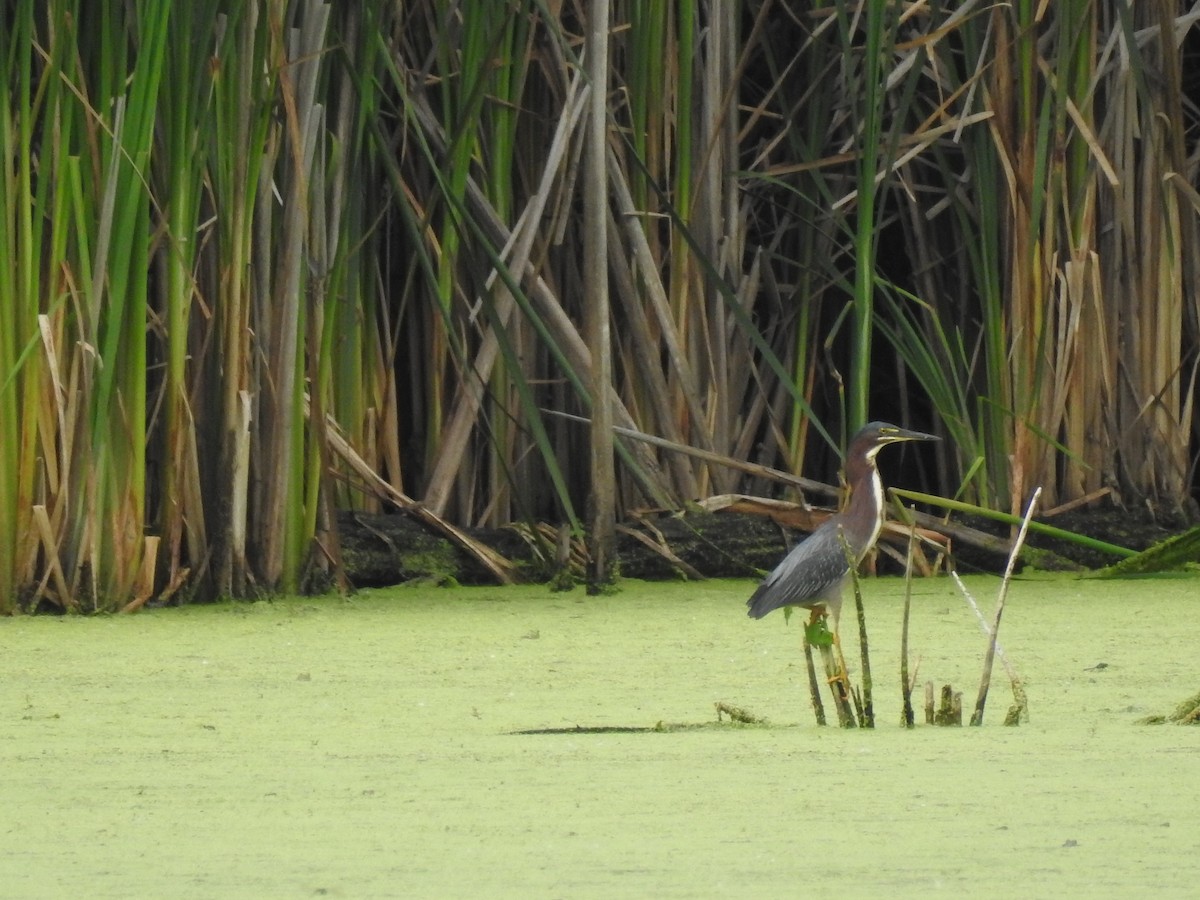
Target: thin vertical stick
<point>1021,706</point>
<point>814,686</point>
<point>906,687</point>
<point>984,625</point>
<point>867,713</point>
<point>977,717</point>
<point>595,253</point>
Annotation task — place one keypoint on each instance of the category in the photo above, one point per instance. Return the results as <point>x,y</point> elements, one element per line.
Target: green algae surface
<point>370,747</point>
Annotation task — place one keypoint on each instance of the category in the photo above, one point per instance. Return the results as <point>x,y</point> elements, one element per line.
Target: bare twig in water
<point>814,686</point>
<point>989,658</point>
<point>737,714</point>
<point>984,625</point>
<point>906,686</point>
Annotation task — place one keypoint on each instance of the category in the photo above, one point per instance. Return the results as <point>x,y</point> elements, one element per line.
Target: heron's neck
<point>866,503</point>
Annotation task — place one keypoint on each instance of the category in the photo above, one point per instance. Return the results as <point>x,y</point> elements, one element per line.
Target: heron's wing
<point>815,567</point>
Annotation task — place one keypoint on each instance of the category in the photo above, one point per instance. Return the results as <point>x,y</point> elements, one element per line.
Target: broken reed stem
<point>989,658</point>
<point>737,714</point>
<point>1187,712</point>
<point>949,711</point>
<point>1020,707</point>
<point>906,686</point>
<point>814,686</point>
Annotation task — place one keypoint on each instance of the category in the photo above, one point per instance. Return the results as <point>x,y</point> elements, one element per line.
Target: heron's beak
<point>903,434</point>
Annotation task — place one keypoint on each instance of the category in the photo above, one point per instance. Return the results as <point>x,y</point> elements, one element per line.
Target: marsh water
<point>365,747</point>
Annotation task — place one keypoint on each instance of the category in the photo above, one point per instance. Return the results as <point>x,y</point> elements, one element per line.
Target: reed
<point>255,250</point>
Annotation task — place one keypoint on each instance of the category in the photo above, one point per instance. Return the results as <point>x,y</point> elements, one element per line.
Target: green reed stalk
<point>244,86</point>
<point>872,93</point>
<point>17,291</point>
<point>118,311</point>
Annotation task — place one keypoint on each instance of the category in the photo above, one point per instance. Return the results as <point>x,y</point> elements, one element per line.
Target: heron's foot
<point>840,678</point>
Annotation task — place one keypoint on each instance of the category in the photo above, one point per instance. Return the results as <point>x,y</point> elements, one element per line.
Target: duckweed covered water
<point>365,748</point>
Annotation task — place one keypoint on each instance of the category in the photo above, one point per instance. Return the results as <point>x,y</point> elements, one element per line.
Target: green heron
<point>814,573</point>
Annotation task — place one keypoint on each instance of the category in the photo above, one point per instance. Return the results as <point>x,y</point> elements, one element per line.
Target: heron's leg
<point>841,660</point>
<point>835,668</point>
<point>831,617</point>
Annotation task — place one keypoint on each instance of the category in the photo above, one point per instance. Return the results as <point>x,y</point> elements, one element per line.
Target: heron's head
<point>874,436</point>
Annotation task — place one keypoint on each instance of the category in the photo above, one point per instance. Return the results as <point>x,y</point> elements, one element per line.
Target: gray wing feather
<point>815,566</point>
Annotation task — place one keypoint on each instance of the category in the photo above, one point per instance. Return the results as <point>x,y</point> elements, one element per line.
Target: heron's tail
<point>763,600</point>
